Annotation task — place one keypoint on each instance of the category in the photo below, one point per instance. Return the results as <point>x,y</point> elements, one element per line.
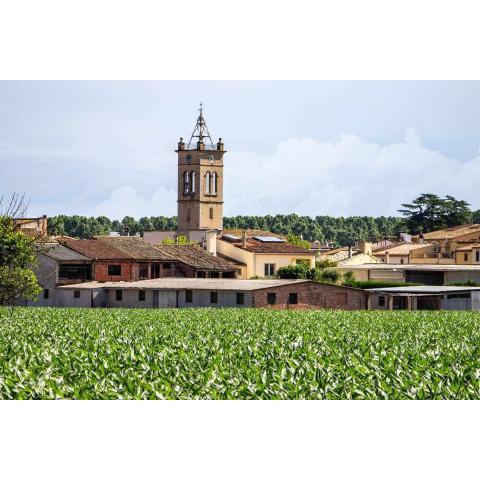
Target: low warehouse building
<point>413,273</point>
<point>192,292</point>
<point>425,298</point>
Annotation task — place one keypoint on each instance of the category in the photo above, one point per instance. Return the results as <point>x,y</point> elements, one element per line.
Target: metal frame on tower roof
<point>201,132</point>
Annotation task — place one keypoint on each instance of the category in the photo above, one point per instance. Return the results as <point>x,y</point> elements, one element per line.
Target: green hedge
<point>377,284</point>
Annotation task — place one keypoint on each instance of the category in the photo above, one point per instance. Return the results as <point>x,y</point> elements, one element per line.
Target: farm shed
<point>414,273</point>
<point>425,298</point>
<point>192,292</point>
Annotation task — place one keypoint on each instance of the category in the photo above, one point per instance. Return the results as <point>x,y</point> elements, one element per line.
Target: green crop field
<point>238,353</point>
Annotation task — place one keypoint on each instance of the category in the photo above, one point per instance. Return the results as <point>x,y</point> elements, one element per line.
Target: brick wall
<point>314,294</point>
<point>129,271</point>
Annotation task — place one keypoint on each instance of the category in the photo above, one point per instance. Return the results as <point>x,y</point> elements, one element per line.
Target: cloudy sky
<point>311,148</point>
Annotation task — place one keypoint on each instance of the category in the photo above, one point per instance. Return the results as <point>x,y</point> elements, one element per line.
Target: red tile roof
<point>256,246</point>
<point>93,249</point>
<point>136,248</point>
<point>196,257</point>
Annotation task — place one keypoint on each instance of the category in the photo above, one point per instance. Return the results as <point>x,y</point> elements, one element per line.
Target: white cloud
<point>348,177</point>
<point>126,200</point>
<point>303,176</point>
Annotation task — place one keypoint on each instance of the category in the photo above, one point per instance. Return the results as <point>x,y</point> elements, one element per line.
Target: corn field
<point>238,354</point>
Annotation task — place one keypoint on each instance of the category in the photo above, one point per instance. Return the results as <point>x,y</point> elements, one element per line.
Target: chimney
<point>181,144</point>
<point>350,253</point>
<point>43,227</point>
<point>211,241</point>
<point>220,144</point>
<point>420,238</point>
<point>365,247</point>
<point>387,257</point>
<point>244,238</point>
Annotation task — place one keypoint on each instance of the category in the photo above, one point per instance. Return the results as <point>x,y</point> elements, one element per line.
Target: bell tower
<point>200,181</point>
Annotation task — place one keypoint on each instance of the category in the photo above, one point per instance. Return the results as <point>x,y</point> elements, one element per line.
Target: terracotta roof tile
<point>94,249</point>
<point>402,248</point>
<point>256,246</point>
<point>452,232</point>
<point>136,248</point>
<point>196,257</point>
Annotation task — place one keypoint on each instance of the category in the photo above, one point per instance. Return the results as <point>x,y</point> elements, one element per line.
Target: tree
<point>476,216</point>
<point>300,242</point>
<point>429,212</point>
<point>17,256</point>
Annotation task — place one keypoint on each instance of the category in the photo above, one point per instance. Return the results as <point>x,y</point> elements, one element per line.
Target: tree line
<point>426,213</point>
<point>338,230</point>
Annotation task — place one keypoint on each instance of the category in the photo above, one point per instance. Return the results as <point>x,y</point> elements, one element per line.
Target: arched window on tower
<point>192,182</point>
<point>186,186</point>
<point>214,183</point>
<point>207,183</point>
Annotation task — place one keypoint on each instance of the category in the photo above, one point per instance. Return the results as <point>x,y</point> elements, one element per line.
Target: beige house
<point>468,255</point>
<point>398,253</point>
<point>443,244</point>
<point>359,259</point>
<point>261,254</point>
<point>36,227</point>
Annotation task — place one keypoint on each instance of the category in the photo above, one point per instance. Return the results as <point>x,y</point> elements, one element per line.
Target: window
<point>465,257</point>
<point>46,293</point>
<point>118,295</point>
<point>188,296</point>
<point>269,269</point>
<point>240,298</point>
<point>271,298</point>
<point>143,270</point>
<point>141,295</point>
<point>211,213</point>
<point>213,297</point>
<point>214,183</point>
<point>293,298</point>
<point>73,271</point>
<point>188,158</point>
<point>114,270</point>
<point>156,270</point>
<point>188,214</point>
<point>192,182</point>
<point>381,301</point>
<point>207,183</point>
<point>477,256</point>
<point>185,182</point>
<point>76,294</point>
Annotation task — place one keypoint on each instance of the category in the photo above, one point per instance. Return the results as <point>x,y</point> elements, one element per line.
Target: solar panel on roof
<point>269,239</point>
<point>228,236</point>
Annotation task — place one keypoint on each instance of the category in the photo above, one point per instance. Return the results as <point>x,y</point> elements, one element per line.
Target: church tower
<point>200,181</point>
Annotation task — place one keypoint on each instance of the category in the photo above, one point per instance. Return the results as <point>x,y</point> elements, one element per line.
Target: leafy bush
<point>327,275</point>
<point>296,240</point>
<point>376,284</point>
<point>238,354</point>
<point>468,283</point>
<point>295,271</point>
<point>180,240</point>
<point>325,263</point>
<point>348,277</point>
